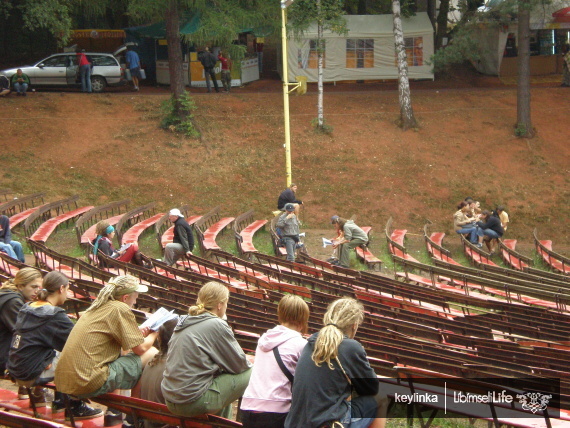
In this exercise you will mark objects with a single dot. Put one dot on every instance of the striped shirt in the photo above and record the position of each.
(95, 341)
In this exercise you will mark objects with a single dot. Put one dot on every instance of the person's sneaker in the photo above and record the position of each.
(112, 417)
(57, 406)
(42, 396)
(84, 411)
(23, 393)
(478, 245)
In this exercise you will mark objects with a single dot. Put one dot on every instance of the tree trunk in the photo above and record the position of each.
(407, 119)
(524, 125)
(441, 23)
(320, 54)
(174, 50)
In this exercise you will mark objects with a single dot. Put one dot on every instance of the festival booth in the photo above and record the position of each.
(550, 30)
(246, 71)
(366, 52)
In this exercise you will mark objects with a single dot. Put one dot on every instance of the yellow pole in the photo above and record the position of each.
(286, 95)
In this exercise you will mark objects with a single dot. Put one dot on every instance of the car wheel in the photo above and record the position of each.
(98, 83)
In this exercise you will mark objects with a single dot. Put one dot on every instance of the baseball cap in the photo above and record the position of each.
(289, 207)
(126, 284)
(176, 212)
(334, 219)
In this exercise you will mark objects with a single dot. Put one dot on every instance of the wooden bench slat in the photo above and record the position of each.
(48, 227)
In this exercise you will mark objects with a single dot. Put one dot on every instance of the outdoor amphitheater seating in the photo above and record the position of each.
(20, 204)
(364, 254)
(475, 254)
(511, 257)
(245, 227)
(552, 259)
(132, 219)
(6, 194)
(85, 225)
(208, 228)
(395, 240)
(434, 246)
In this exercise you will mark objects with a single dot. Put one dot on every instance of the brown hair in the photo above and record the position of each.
(101, 227)
(51, 284)
(209, 296)
(22, 278)
(164, 334)
(293, 310)
(461, 205)
(341, 315)
(341, 222)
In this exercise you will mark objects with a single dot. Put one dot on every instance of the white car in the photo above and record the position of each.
(60, 70)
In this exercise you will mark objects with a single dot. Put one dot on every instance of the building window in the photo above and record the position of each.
(414, 51)
(359, 53)
(310, 58)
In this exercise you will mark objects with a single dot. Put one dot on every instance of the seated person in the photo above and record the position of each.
(503, 216)
(353, 237)
(152, 374)
(339, 236)
(288, 196)
(331, 366)
(91, 363)
(267, 399)
(14, 293)
(7, 245)
(206, 369)
(489, 229)
(183, 239)
(104, 243)
(463, 224)
(20, 82)
(4, 86)
(42, 328)
(289, 225)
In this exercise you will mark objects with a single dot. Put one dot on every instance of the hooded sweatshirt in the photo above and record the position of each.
(10, 303)
(269, 390)
(202, 347)
(40, 330)
(319, 393)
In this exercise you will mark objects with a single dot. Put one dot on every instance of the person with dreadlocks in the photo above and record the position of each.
(334, 383)
(206, 369)
(91, 363)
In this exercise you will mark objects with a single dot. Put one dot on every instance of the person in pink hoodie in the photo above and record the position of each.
(267, 399)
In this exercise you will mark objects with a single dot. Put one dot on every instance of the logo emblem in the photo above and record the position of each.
(534, 401)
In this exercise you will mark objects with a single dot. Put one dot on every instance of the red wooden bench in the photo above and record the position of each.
(552, 259)
(364, 254)
(132, 234)
(48, 227)
(396, 242)
(210, 234)
(89, 235)
(16, 219)
(247, 236)
(511, 257)
(168, 235)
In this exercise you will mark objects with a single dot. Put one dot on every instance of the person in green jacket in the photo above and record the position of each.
(353, 237)
(20, 82)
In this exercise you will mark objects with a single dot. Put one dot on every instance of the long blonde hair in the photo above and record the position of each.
(340, 317)
(117, 286)
(22, 278)
(209, 296)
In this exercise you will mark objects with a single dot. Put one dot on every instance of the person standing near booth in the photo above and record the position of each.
(84, 71)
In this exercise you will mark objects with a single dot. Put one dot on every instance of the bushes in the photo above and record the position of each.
(177, 115)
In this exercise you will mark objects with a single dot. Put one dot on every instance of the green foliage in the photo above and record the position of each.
(464, 47)
(326, 13)
(53, 15)
(178, 116)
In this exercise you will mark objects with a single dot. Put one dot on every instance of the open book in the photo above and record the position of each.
(124, 247)
(327, 242)
(158, 318)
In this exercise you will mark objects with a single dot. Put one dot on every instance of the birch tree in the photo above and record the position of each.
(328, 15)
(407, 118)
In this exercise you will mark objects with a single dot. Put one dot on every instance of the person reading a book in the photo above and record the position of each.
(104, 243)
(206, 369)
(267, 399)
(91, 362)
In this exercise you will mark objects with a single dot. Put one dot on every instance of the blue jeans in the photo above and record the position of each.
(85, 71)
(487, 232)
(361, 412)
(14, 250)
(472, 231)
(290, 245)
(21, 88)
